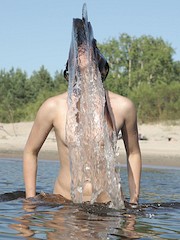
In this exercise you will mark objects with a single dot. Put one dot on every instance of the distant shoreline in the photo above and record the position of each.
(162, 147)
(151, 160)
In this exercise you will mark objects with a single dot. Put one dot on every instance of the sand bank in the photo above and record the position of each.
(162, 147)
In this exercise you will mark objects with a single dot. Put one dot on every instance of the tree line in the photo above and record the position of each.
(141, 68)
(21, 96)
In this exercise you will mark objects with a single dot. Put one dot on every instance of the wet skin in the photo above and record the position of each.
(52, 114)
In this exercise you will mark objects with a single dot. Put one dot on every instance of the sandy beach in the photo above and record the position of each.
(162, 147)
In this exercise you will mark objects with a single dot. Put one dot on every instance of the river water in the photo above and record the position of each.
(158, 216)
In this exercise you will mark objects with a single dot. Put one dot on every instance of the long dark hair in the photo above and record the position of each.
(102, 63)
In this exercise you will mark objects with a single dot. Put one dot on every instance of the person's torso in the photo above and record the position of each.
(63, 182)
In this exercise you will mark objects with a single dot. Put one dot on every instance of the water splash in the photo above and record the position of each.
(91, 142)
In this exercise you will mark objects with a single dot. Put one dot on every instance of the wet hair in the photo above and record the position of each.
(102, 63)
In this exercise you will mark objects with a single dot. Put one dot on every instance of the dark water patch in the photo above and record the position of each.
(11, 196)
(46, 198)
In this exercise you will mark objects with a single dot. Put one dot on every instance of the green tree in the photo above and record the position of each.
(140, 68)
(60, 84)
(39, 81)
(12, 93)
(136, 60)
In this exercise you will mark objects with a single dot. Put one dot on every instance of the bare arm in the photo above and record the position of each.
(41, 127)
(130, 137)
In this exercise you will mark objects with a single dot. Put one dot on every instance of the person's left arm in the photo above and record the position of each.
(131, 142)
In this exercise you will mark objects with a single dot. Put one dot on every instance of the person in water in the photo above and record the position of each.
(52, 115)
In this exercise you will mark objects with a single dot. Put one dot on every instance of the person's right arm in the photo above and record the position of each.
(39, 132)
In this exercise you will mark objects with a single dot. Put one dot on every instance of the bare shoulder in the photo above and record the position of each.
(124, 111)
(52, 106)
(121, 103)
(55, 101)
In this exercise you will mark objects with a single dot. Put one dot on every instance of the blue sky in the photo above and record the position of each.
(38, 32)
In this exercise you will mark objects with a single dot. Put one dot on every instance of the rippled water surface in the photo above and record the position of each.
(158, 216)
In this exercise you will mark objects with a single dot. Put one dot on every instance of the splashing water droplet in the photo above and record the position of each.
(91, 143)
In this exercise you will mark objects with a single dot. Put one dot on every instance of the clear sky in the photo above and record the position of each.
(38, 32)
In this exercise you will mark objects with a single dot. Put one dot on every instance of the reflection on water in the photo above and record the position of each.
(45, 218)
(70, 222)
